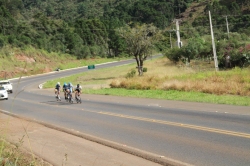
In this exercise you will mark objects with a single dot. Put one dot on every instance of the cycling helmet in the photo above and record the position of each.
(65, 83)
(58, 83)
(77, 85)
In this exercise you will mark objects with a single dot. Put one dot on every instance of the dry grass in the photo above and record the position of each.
(163, 75)
(12, 154)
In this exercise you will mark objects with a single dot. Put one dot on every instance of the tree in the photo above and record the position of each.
(116, 44)
(140, 41)
(193, 48)
(174, 54)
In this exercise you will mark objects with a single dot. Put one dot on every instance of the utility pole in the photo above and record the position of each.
(213, 44)
(178, 32)
(227, 28)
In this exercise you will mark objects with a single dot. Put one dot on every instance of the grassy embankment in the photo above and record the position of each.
(15, 62)
(163, 80)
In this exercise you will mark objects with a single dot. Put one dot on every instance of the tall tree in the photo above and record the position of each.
(140, 40)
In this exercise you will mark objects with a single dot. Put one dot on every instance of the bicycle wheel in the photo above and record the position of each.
(70, 100)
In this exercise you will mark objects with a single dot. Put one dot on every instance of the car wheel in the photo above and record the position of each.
(11, 91)
(6, 98)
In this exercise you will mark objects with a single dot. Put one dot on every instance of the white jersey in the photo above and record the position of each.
(80, 87)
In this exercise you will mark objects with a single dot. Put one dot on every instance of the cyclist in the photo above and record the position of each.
(70, 89)
(65, 89)
(57, 90)
(78, 90)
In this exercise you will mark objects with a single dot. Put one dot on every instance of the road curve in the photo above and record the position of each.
(193, 133)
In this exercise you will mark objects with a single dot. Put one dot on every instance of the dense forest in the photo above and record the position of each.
(87, 28)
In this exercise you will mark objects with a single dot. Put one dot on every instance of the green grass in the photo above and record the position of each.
(173, 95)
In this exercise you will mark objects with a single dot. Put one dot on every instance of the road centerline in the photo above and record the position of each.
(214, 130)
(195, 127)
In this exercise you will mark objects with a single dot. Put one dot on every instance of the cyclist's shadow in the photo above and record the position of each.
(55, 102)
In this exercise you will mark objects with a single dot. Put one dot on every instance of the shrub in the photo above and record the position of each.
(174, 54)
(131, 74)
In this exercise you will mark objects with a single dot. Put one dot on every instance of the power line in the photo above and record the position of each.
(182, 29)
(221, 25)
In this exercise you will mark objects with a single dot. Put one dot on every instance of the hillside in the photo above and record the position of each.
(86, 28)
(80, 28)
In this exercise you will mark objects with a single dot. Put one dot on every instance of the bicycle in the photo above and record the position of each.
(78, 99)
(65, 94)
(77, 96)
(69, 98)
(58, 98)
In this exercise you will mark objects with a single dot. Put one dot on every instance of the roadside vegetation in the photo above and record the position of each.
(13, 155)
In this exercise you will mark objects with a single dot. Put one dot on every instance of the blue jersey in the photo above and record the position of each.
(65, 86)
(70, 87)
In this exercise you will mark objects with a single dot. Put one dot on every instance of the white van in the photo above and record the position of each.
(3, 93)
(7, 85)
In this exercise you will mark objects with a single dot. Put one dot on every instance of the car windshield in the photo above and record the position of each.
(4, 83)
(1, 88)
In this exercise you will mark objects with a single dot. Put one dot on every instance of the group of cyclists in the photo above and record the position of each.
(68, 89)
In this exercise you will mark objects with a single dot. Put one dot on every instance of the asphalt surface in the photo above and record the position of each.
(165, 132)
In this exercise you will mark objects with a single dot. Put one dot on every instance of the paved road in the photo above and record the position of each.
(193, 133)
